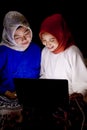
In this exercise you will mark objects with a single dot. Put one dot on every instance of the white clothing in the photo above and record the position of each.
(68, 64)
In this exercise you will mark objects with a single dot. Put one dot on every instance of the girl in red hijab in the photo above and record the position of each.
(62, 59)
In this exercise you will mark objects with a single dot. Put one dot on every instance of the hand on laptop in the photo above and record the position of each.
(76, 96)
(85, 97)
(11, 95)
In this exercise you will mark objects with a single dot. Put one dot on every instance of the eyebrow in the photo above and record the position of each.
(26, 30)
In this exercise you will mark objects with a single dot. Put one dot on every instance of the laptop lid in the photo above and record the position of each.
(42, 92)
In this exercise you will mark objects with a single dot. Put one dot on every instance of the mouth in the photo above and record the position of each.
(25, 43)
(51, 47)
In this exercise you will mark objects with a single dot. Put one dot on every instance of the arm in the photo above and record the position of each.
(79, 71)
(4, 78)
(79, 74)
(43, 63)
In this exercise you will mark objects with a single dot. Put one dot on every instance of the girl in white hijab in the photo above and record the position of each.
(19, 58)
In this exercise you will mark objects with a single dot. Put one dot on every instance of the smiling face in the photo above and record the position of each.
(22, 36)
(49, 41)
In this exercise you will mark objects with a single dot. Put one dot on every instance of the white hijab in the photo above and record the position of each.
(11, 22)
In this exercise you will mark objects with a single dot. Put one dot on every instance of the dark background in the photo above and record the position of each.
(74, 11)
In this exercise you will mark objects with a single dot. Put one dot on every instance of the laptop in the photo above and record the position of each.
(41, 98)
(42, 92)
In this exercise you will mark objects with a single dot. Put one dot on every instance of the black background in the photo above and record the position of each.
(74, 11)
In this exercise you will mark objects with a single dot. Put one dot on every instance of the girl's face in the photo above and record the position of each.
(49, 41)
(22, 36)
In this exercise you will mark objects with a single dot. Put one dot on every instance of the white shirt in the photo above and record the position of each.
(68, 64)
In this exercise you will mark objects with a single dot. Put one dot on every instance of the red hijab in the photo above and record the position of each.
(56, 26)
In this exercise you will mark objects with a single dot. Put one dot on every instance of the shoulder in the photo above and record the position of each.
(34, 49)
(74, 54)
(3, 53)
(3, 49)
(73, 50)
(35, 46)
(45, 50)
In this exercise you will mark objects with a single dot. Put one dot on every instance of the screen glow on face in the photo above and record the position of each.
(22, 36)
(49, 41)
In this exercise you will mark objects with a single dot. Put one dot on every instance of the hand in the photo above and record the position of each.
(11, 95)
(76, 96)
(85, 97)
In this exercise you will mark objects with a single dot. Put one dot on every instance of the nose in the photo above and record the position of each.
(23, 38)
(48, 43)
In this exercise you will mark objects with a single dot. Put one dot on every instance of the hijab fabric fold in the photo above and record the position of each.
(56, 26)
(11, 22)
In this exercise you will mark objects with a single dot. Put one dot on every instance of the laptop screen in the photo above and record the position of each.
(42, 92)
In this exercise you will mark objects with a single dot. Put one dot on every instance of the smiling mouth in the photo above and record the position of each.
(51, 47)
(25, 43)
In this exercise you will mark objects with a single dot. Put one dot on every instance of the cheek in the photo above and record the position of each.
(29, 39)
(56, 45)
(43, 43)
(18, 41)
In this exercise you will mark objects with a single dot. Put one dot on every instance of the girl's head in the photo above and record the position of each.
(22, 36)
(55, 34)
(17, 33)
(49, 41)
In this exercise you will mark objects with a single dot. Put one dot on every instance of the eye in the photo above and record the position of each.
(43, 40)
(17, 38)
(52, 40)
(27, 32)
